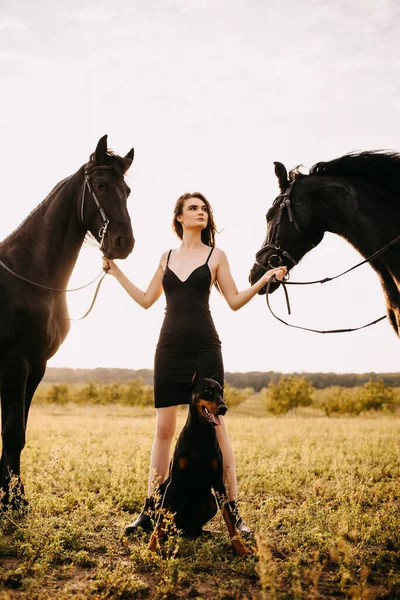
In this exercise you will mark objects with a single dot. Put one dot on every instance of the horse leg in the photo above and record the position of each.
(13, 386)
(34, 378)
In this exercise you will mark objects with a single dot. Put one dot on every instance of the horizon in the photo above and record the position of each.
(228, 371)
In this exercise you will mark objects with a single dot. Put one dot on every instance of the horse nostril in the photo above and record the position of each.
(120, 242)
(124, 244)
(121, 245)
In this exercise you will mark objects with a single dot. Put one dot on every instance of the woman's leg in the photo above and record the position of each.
(159, 461)
(228, 456)
(160, 452)
(230, 480)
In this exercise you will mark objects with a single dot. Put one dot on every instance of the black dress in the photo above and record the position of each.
(188, 341)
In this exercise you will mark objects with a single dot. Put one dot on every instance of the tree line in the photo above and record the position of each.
(252, 379)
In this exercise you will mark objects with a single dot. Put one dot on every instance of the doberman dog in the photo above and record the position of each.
(196, 470)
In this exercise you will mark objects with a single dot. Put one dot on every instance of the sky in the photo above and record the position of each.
(209, 93)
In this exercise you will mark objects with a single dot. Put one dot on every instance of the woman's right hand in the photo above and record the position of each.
(109, 266)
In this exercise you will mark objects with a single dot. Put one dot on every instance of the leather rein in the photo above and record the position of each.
(272, 243)
(102, 233)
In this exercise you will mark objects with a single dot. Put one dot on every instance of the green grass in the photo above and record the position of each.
(321, 494)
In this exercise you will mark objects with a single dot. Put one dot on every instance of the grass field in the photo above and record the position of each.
(321, 494)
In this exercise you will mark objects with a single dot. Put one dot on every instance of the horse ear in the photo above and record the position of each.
(129, 159)
(101, 150)
(194, 378)
(281, 173)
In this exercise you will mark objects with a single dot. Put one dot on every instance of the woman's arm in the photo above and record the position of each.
(144, 299)
(237, 299)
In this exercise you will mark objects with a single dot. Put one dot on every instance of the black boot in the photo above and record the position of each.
(145, 519)
(240, 523)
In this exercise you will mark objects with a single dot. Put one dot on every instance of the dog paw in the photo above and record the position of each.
(153, 544)
(240, 548)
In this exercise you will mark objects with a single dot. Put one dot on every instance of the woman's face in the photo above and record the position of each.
(194, 214)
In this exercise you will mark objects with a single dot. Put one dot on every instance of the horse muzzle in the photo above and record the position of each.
(118, 246)
(270, 257)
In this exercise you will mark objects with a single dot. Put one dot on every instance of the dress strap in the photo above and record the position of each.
(208, 257)
(169, 254)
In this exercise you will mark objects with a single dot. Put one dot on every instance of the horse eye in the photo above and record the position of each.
(100, 185)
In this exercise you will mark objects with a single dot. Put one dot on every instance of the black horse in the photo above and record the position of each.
(44, 249)
(357, 197)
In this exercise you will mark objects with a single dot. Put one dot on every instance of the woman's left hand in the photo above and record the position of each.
(278, 272)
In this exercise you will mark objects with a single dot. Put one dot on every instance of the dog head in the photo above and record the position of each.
(208, 400)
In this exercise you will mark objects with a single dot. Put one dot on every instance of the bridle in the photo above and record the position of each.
(272, 243)
(102, 233)
(87, 185)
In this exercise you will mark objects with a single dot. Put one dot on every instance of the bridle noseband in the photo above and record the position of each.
(87, 184)
(272, 241)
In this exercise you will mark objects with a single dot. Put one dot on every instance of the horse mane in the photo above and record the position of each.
(42, 205)
(117, 163)
(376, 167)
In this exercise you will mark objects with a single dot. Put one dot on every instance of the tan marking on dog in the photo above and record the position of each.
(240, 548)
(183, 462)
(234, 534)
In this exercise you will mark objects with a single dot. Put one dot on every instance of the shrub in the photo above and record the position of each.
(58, 393)
(234, 396)
(90, 394)
(374, 395)
(287, 394)
(137, 394)
(131, 393)
(338, 400)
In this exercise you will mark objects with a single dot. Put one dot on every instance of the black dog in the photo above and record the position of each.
(196, 469)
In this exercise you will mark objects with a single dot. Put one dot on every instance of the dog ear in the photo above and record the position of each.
(218, 376)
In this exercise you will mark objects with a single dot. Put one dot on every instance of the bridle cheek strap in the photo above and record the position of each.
(87, 184)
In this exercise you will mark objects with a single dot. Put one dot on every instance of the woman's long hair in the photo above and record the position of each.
(208, 233)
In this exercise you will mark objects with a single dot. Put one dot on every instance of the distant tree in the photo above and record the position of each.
(287, 394)
(374, 395)
(234, 396)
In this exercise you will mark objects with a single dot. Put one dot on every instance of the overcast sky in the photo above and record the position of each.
(210, 93)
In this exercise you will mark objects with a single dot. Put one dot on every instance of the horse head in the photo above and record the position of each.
(292, 226)
(103, 204)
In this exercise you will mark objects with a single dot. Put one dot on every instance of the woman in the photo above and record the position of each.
(188, 341)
